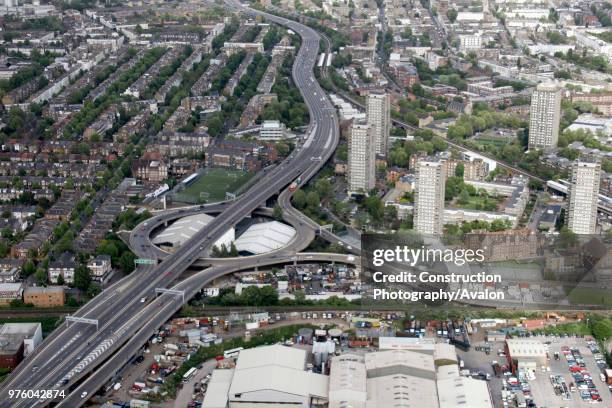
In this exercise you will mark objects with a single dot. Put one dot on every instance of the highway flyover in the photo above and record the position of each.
(163, 307)
(76, 349)
(140, 238)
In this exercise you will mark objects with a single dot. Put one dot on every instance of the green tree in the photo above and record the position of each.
(300, 296)
(299, 199)
(452, 15)
(60, 280)
(459, 170)
(312, 200)
(602, 329)
(390, 214)
(269, 295)
(107, 247)
(72, 302)
(282, 148)
(277, 212)
(567, 238)
(41, 277)
(82, 278)
(27, 269)
(398, 157)
(374, 207)
(553, 15)
(126, 262)
(324, 188)
(464, 197)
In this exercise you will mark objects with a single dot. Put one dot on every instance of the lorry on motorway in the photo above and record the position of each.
(294, 186)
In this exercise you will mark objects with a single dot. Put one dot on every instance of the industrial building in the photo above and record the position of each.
(528, 354)
(218, 389)
(183, 229)
(406, 378)
(455, 390)
(18, 340)
(400, 376)
(347, 385)
(268, 376)
(258, 238)
(264, 237)
(418, 344)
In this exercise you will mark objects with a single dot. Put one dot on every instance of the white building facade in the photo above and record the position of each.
(378, 114)
(361, 158)
(583, 196)
(429, 197)
(545, 116)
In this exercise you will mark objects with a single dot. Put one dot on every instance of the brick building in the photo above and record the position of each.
(51, 296)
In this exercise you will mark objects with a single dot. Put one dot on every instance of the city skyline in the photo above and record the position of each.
(209, 204)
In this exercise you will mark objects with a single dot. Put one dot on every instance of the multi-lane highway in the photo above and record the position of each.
(77, 349)
(162, 309)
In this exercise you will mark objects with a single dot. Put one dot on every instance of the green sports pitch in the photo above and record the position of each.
(212, 186)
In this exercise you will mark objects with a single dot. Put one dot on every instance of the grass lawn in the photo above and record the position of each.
(497, 142)
(213, 185)
(566, 328)
(590, 296)
(480, 203)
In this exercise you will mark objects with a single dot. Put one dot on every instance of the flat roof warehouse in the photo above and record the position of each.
(276, 376)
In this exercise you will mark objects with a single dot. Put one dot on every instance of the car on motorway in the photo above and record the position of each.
(83, 394)
(144, 299)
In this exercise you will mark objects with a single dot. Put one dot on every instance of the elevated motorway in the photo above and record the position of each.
(141, 244)
(76, 350)
(162, 308)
